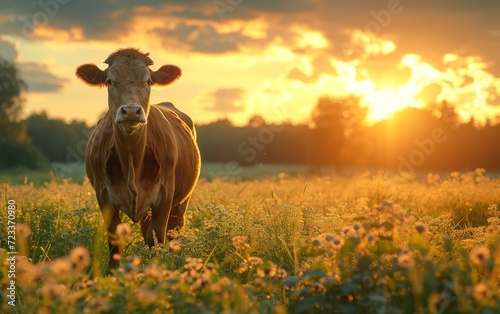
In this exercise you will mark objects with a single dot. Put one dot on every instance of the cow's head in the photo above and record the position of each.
(128, 79)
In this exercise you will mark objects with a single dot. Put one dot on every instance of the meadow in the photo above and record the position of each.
(367, 243)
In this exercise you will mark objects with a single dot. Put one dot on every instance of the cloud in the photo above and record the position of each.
(428, 28)
(225, 100)
(321, 64)
(39, 78)
(8, 50)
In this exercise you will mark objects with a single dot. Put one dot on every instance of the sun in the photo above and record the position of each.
(382, 104)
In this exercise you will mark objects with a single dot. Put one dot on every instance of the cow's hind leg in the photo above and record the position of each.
(145, 226)
(176, 219)
(111, 220)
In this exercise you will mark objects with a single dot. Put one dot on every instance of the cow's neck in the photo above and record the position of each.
(132, 149)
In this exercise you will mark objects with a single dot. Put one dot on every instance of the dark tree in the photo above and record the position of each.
(11, 103)
(337, 131)
(15, 147)
(67, 140)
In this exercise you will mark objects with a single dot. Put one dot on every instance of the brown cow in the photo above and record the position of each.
(141, 159)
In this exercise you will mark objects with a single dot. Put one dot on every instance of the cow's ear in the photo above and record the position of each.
(165, 75)
(91, 74)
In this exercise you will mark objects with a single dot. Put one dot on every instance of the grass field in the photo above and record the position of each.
(368, 243)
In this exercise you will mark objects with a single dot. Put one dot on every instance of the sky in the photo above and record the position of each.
(272, 58)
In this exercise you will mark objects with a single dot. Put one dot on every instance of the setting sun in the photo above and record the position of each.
(382, 104)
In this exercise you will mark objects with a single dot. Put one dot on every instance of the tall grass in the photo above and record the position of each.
(362, 244)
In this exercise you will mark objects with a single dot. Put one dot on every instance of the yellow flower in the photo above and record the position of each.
(239, 241)
(146, 296)
(281, 273)
(134, 260)
(267, 270)
(152, 271)
(253, 260)
(174, 245)
(482, 292)
(23, 230)
(80, 257)
(421, 228)
(479, 255)
(61, 267)
(193, 263)
(243, 267)
(123, 231)
(406, 260)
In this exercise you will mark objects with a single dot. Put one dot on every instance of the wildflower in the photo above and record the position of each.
(203, 280)
(281, 273)
(174, 245)
(421, 228)
(259, 283)
(123, 231)
(267, 270)
(337, 242)
(80, 257)
(480, 171)
(479, 255)
(61, 267)
(146, 296)
(99, 304)
(253, 260)
(384, 205)
(346, 230)
(356, 226)
(243, 267)
(328, 237)
(482, 292)
(52, 291)
(85, 283)
(23, 230)
(25, 272)
(193, 263)
(406, 260)
(317, 242)
(134, 260)
(434, 300)
(239, 241)
(404, 250)
(152, 271)
(210, 267)
(370, 238)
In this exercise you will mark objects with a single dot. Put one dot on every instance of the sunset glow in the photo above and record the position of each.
(256, 60)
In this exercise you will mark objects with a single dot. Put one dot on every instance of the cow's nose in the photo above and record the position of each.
(130, 113)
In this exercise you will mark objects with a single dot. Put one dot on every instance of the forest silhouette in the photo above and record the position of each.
(335, 135)
(410, 140)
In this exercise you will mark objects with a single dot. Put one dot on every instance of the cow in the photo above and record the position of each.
(141, 159)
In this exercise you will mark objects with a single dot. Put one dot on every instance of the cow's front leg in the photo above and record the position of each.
(159, 218)
(111, 220)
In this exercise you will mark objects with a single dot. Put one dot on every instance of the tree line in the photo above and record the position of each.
(334, 135)
(431, 139)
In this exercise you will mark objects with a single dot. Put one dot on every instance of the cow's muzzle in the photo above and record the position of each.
(130, 114)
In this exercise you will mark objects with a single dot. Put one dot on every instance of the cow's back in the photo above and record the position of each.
(181, 136)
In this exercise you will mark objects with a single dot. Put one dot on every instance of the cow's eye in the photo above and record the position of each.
(150, 82)
(108, 82)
